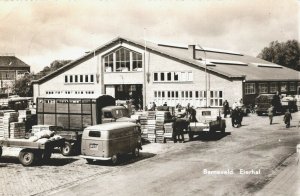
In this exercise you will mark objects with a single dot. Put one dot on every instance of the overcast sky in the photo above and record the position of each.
(39, 32)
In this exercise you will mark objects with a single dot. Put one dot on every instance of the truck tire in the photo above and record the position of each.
(136, 152)
(67, 149)
(27, 157)
(115, 159)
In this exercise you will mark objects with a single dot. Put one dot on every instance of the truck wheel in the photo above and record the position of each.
(67, 149)
(136, 152)
(115, 159)
(26, 157)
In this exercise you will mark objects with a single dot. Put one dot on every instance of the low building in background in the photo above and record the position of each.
(11, 69)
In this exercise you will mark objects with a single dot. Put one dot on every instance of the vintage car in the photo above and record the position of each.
(209, 120)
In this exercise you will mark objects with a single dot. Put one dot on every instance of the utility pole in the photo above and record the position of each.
(206, 90)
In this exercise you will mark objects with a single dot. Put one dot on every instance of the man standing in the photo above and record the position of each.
(287, 118)
(270, 114)
(225, 108)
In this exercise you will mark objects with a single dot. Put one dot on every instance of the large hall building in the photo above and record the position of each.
(149, 72)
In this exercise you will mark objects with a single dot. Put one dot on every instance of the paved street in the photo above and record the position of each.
(175, 169)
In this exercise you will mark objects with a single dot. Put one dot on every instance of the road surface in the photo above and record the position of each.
(243, 162)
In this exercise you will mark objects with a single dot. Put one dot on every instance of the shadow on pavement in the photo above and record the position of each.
(58, 161)
(211, 136)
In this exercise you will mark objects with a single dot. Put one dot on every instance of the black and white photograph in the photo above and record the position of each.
(149, 97)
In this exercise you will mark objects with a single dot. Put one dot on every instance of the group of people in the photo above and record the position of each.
(235, 112)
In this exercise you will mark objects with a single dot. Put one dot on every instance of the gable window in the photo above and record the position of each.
(123, 60)
(76, 78)
(81, 78)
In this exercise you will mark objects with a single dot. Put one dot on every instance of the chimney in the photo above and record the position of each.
(192, 51)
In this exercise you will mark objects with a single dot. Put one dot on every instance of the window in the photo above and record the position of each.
(283, 87)
(86, 78)
(95, 134)
(249, 88)
(66, 79)
(176, 74)
(76, 78)
(273, 87)
(155, 76)
(216, 98)
(136, 61)
(263, 87)
(162, 76)
(125, 60)
(81, 78)
(92, 78)
(173, 76)
(108, 63)
(292, 86)
(71, 79)
(169, 76)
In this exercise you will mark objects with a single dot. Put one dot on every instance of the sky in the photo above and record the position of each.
(41, 31)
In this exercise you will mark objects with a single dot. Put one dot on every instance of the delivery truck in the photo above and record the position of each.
(75, 114)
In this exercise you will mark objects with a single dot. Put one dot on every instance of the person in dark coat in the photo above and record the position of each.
(276, 103)
(287, 118)
(165, 104)
(226, 108)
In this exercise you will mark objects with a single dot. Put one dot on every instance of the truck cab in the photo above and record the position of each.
(209, 120)
(113, 113)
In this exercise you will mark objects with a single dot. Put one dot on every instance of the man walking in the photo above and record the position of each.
(287, 118)
(270, 114)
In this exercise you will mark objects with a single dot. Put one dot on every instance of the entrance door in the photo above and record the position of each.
(132, 92)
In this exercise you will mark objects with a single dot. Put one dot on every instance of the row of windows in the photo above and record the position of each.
(68, 92)
(123, 60)
(79, 78)
(172, 76)
(250, 88)
(195, 98)
(7, 75)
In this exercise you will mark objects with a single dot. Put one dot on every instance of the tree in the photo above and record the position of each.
(285, 53)
(23, 86)
(53, 66)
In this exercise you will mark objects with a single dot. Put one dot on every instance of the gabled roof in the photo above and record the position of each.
(226, 64)
(12, 61)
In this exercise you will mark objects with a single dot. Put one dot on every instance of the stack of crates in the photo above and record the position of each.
(144, 128)
(5, 122)
(159, 126)
(168, 130)
(17, 130)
